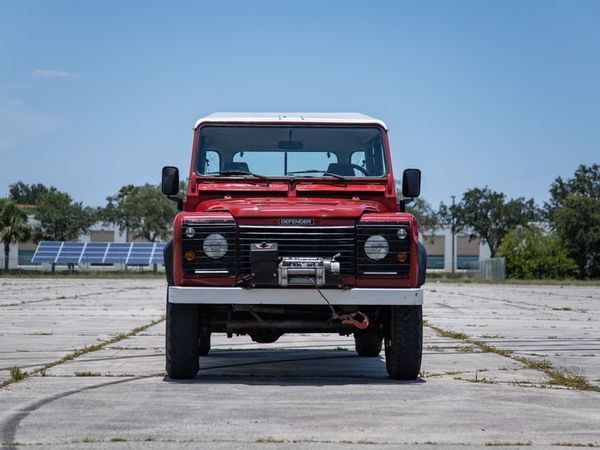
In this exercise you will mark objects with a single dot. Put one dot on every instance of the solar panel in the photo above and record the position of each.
(94, 252)
(157, 254)
(69, 253)
(136, 253)
(141, 253)
(46, 251)
(117, 253)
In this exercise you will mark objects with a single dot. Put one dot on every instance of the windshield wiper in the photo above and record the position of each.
(324, 172)
(238, 172)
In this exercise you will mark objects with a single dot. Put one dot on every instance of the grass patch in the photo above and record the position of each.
(17, 374)
(117, 439)
(447, 333)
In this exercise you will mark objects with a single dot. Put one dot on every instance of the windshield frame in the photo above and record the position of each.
(386, 157)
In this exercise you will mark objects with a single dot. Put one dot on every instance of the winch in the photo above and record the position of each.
(269, 268)
(308, 271)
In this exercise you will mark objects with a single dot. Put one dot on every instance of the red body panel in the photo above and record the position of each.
(326, 200)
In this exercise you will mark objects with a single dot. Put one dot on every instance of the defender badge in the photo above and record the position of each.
(296, 221)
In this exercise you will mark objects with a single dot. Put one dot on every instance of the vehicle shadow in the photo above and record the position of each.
(284, 366)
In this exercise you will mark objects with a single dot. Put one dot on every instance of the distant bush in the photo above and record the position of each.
(530, 253)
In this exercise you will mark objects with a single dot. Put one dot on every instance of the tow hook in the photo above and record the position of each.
(349, 319)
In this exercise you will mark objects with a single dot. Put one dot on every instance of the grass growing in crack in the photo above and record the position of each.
(87, 373)
(507, 444)
(558, 377)
(575, 444)
(464, 349)
(269, 440)
(17, 374)
(78, 352)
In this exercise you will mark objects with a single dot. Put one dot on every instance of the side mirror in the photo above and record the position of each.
(170, 180)
(411, 183)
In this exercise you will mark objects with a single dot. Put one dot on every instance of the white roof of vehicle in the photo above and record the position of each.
(291, 117)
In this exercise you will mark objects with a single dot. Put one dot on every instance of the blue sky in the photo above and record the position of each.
(97, 94)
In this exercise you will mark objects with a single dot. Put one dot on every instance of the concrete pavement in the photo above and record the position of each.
(305, 391)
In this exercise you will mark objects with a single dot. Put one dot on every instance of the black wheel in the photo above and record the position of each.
(204, 343)
(404, 342)
(367, 343)
(182, 341)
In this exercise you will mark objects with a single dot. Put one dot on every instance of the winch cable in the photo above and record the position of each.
(346, 319)
(334, 314)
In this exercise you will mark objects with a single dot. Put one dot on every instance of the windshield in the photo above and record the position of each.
(273, 150)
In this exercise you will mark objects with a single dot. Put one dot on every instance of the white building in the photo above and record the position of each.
(440, 255)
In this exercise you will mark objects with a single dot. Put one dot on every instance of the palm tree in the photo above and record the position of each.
(13, 226)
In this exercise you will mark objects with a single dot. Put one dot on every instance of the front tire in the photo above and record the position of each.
(204, 343)
(182, 341)
(404, 342)
(367, 343)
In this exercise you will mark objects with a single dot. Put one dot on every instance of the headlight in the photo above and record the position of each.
(377, 247)
(215, 246)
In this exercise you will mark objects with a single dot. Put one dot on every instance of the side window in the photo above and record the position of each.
(212, 162)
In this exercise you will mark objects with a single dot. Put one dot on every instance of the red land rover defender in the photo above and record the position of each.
(291, 224)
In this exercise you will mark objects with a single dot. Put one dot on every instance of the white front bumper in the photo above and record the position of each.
(291, 296)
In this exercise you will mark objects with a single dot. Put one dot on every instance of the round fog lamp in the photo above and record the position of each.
(190, 255)
(402, 233)
(215, 246)
(401, 257)
(190, 232)
(377, 247)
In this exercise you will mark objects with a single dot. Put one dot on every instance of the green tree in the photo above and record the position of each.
(530, 253)
(427, 218)
(142, 211)
(27, 194)
(574, 212)
(13, 226)
(487, 215)
(59, 218)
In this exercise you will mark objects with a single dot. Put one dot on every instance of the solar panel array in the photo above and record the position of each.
(129, 253)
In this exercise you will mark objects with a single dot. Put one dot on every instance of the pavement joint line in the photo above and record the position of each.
(72, 297)
(273, 440)
(512, 302)
(18, 375)
(558, 377)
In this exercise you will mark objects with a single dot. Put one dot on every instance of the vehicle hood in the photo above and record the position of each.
(293, 207)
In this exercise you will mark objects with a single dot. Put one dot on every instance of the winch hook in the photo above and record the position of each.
(348, 319)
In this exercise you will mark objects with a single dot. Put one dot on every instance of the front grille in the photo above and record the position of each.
(316, 241)
(388, 266)
(202, 265)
